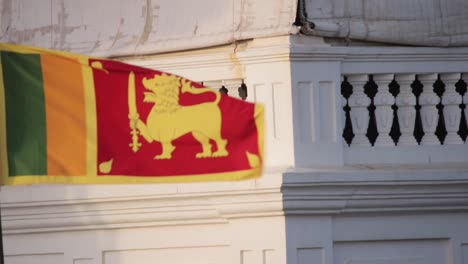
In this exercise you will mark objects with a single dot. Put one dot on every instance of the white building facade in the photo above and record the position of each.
(366, 158)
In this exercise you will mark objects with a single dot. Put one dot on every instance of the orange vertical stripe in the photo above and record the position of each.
(65, 115)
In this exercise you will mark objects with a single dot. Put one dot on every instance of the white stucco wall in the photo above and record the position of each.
(315, 203)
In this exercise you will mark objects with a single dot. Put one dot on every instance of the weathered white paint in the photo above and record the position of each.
(130, 27)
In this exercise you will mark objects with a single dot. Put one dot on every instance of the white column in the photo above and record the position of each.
(318, 113)
(269, 86)
(359, 101)
(429, 112)
(452, 112)
(406, 102)
(383, 101)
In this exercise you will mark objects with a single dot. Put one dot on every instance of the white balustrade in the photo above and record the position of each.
(383, 102)
(359, 101)
(406, 102)
(451, 100)
(429, 112)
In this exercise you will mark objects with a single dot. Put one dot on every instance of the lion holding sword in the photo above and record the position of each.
(168, 120)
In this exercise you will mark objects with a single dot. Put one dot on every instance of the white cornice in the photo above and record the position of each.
(211, 57)
(53, 208)
(302, 49)
(157, 210)
(377, 54)
(346, 190)
(368, 190)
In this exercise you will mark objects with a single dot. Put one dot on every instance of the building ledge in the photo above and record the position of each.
(58, 208)
(376, 188)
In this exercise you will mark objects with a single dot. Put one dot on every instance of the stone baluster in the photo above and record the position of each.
(383, 102)
(429, 112)
(406, 102)
(346, 91)
(344, 101)
(451, 100)
(465, 99)
(359, 101)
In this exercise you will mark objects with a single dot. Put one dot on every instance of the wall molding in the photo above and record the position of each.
(139, 211)
(378, 189)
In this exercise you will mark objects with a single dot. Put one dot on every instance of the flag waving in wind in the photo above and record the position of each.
(69, 118)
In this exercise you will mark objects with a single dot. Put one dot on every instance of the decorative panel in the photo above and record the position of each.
(182, 255)
(310, 256)
(326, 96)
(393, 251)
(83, 261)
(305, 111)
(464, 250)
(54, 258)
(270, 257)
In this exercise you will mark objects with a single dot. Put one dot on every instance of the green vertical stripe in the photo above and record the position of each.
(25, 114)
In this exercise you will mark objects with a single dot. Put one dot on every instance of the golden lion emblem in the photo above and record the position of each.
(168, 120)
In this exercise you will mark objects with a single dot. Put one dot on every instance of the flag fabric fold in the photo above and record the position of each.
(69, 118)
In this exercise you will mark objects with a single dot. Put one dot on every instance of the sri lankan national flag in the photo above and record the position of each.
(69, 118)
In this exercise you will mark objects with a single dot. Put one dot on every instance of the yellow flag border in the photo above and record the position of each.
(29, 49)
(3, 140)
(44, 179)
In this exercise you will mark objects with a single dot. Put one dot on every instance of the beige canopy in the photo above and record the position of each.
(129, 27)
(411, 22)
(135, 27)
